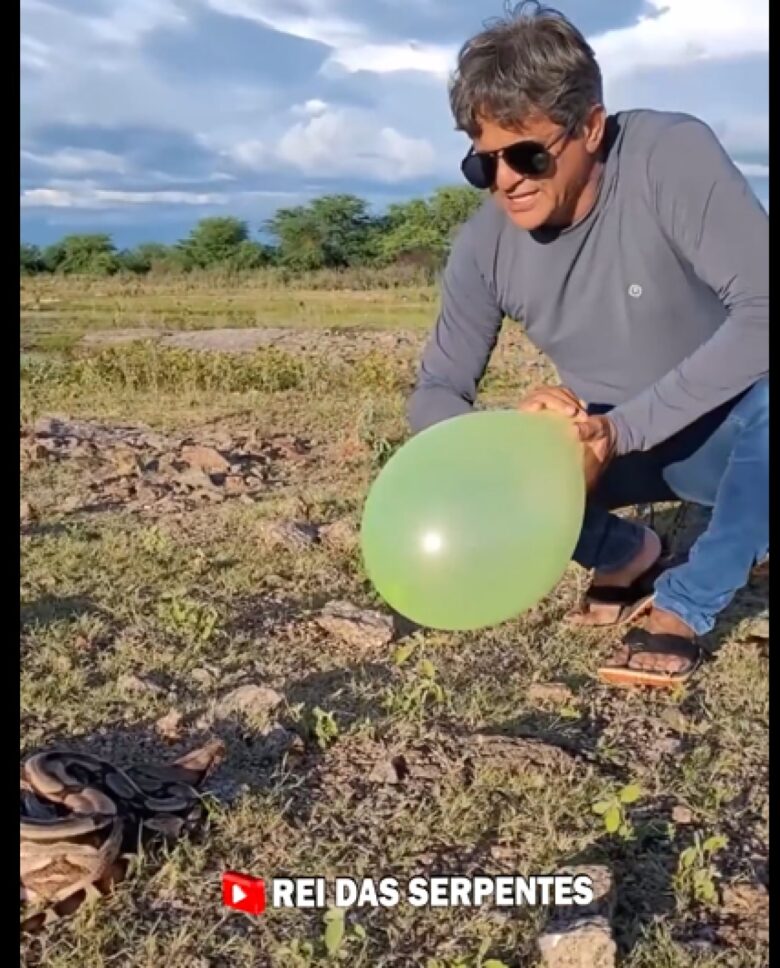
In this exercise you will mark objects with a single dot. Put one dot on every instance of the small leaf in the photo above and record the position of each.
(625, 831)
(494, 963)
(359, 931)
(630, 793)
(427, 669)
(687, 857)
(601, 806)
(715, 843)
(612, 819)
(403, 652)
(334, 931)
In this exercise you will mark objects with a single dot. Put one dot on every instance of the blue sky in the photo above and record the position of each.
(139, 117)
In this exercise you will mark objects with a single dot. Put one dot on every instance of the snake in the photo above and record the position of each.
(81, 817)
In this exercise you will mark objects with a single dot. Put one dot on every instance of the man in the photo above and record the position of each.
(636, 256)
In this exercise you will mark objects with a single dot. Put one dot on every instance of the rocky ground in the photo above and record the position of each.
(205, 579)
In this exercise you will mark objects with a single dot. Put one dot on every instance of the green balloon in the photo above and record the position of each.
(475, 519)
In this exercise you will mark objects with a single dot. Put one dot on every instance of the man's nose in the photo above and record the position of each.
(506, 178)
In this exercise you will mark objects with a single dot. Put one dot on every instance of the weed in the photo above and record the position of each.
(695, 878)
(612, 810)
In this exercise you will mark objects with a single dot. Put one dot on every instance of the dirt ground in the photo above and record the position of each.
(191, 568)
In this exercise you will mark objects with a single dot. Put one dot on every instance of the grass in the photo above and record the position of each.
(197, 604)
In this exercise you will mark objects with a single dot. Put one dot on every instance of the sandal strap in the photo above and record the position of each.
(641, 641)
(641, 587)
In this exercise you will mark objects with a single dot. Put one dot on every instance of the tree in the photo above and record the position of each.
(299, 239)
(422, 230)
(83, 255)
(214, 241)
(152, 257)
(30, 259)
(334, 231)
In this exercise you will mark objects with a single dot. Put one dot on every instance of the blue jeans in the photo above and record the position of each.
(720, 461)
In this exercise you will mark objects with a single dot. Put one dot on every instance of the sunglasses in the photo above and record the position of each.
(530, 158)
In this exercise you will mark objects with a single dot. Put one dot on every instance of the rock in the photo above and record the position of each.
(276, 741)
(289, 535)
(388, 771)
(206, 459)
(516, 753)
(550, 692)
(587, 943)
(339, 535)
(169, 725)
(758, 629)
(195, 478)
(603, 887)
(356, 627)
(234, 485)
(251, 700)
(581, 936)
(131, 683)
(202, 676)
(682, 815)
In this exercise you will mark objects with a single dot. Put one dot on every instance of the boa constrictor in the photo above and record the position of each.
(81, 816)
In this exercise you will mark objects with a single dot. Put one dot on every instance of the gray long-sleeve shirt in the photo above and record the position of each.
(656, 303)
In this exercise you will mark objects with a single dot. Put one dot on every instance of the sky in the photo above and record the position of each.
(139, 117)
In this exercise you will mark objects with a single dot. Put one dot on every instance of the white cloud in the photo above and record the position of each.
(74, 161)
(311, 109)
(390, 58)
(752, 170)
(340, 142)
(683, 31)
(97, 198)
(88, 195)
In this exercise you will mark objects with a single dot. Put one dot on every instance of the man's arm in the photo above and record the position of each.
(460, 346)
(708, 211)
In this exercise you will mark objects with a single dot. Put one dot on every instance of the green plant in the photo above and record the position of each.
(695, 878)
(414, 697)
(324, 727)
(187, 619)
(613, 813)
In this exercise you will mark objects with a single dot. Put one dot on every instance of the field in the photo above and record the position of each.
(189, 523)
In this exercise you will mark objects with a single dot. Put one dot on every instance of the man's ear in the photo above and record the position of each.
(593, 129)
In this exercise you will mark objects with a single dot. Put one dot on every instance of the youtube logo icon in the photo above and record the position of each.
(243, 892)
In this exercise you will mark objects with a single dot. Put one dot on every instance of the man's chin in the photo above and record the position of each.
(533, 219)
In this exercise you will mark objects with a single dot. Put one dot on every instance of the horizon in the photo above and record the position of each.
(139, 119)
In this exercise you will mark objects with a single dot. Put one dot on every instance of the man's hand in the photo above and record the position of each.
(558, 399)
(598, 437)
(596, 433)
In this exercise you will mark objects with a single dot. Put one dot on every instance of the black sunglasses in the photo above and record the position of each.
(529, 158)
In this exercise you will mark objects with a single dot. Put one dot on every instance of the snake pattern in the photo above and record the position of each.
(80, 817)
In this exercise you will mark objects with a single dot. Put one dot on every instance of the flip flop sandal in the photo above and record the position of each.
(639, 641)
(631, 600)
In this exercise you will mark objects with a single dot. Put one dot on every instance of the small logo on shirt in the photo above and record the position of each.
(635, 290)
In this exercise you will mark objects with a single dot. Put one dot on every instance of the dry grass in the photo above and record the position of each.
(94, 588)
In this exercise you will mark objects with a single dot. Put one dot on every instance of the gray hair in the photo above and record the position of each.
(531, 62)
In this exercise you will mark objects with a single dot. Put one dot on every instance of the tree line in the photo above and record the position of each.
(331, 232)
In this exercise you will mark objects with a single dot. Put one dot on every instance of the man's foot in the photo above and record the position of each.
(664, 651)
(616, 597)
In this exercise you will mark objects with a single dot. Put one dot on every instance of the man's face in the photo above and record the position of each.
(532, 201)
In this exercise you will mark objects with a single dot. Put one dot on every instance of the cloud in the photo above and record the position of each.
(89, 198)
(680, 32)
(393, 58)
(78, 161)
(752, 170)
(335, 142)
(87, 195)
(208, 105)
